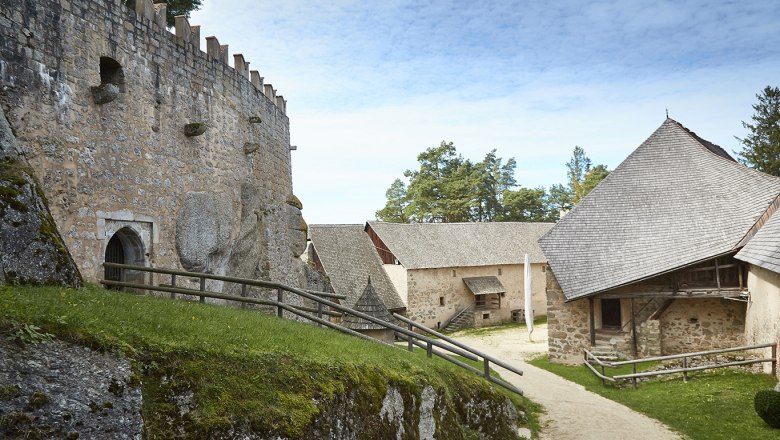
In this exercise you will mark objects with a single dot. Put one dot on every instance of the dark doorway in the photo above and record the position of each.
(610, 313)
(114, 254)
(125, 247)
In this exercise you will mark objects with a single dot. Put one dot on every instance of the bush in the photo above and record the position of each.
(767, 404)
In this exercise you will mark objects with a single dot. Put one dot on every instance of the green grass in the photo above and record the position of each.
(238, 362)
(713, 405)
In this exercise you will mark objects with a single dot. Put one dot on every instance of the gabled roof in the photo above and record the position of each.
(349, 259)
(763, 249)
(370, 304)
(435, 245)
(676, 200)
(484, 285)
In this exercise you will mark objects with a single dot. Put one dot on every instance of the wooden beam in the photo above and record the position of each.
(592, 322)
(687, 293)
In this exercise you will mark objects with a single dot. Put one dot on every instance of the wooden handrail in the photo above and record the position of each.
(498, 362)
(299, 311)
(686, 369)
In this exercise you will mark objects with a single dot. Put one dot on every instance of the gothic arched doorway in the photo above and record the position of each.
(125, 247)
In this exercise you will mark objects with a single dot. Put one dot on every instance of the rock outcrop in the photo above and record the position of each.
(59, 390)
(31, 248)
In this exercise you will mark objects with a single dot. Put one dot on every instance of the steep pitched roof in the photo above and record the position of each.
(763, 249)
(349, 258)
(370, 304)
(676, 200)
(434, 245)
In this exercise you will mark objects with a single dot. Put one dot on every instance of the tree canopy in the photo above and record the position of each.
(761, 146)
(448, 188)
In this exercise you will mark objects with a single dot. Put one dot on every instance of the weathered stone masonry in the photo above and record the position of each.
(99, 98)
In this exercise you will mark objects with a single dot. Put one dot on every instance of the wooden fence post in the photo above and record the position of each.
(774, 359)
(202, 288)
(685, 369)
(633, 370)
(243, 295)
(487, 368)
(319, 313)
(173, 284)
(280, 300)
(411, 338)
(430, 349)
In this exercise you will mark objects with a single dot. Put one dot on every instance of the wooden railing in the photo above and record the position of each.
(593, 362)
(324, 308)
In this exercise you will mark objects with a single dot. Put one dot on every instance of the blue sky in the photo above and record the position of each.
(372, 84)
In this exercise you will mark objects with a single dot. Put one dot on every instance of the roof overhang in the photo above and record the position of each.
(484, 285)
(649, 276)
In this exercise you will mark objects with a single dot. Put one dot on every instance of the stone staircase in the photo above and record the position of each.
(611, 345)
(461, 320)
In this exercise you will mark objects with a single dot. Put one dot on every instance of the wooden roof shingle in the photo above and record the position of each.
(349, 259)
(763, 249)
(484, 285)
(436, 245)
(676, 200)
(370, 304)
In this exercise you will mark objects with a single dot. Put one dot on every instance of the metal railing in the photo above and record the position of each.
(591, 359)
(432, 346)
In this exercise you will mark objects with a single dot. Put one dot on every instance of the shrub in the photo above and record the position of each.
(767, 404)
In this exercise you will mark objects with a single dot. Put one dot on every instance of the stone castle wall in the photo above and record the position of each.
(111, 151)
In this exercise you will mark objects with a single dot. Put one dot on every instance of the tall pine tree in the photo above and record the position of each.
(761, 147)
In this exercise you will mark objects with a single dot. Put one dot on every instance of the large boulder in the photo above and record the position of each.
(297, 227)
(203, 228)
(31, 248)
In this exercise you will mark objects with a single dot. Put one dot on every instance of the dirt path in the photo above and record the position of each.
(572, 412)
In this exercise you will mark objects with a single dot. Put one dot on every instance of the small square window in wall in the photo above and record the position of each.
(441, 300)
(453, 272)
(486, 316)
(499, 271)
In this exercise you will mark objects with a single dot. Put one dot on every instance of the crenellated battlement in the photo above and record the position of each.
(186, 34)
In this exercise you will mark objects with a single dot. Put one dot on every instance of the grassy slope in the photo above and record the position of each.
(715, 405)
(270, 371)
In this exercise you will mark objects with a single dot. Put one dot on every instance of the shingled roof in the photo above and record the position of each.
(434, 245)
(370, 304)
(763, 249)
(349, 259)
(676, 200)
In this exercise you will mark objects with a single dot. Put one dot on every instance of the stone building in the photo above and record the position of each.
(464, 274)
(150, 150)
(762, 323)
(645, 264)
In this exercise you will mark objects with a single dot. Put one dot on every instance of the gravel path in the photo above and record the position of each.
(572, 412)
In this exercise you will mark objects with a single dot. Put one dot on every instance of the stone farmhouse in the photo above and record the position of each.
(443, 275)
(671, 253)
(149, 149)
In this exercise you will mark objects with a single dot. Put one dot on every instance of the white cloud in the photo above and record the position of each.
(372, 84)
